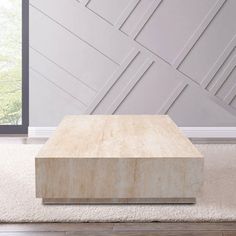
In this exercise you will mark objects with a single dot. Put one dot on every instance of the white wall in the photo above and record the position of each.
(131, 57)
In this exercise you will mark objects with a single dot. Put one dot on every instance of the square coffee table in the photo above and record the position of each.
(118, 159)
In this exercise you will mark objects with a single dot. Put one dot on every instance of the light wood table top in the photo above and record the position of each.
(118, 136)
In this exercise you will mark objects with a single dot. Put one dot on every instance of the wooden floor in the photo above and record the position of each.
(119, 229)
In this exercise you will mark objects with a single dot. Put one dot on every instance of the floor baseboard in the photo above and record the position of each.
(197, 133)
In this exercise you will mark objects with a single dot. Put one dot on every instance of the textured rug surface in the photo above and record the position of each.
(217, 201)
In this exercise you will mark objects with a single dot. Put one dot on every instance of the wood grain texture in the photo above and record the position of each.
(34, 234)
(187, 233)
(111, 229)
(116, 234)
(118, 157)
(181, 226)
(112, 136)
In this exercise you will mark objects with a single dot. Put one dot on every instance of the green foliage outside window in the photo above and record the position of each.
(10, 62)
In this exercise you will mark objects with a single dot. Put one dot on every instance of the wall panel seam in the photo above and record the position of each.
(74, 34)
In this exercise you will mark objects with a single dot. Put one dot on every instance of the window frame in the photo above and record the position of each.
(23, 128)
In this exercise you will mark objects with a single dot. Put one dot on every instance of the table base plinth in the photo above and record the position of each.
(84, 201)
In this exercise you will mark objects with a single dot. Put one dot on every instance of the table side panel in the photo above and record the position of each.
(118, 177)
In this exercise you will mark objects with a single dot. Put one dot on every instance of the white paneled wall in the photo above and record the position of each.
(173, 57)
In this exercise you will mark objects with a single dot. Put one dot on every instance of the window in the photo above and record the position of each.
(13, 66)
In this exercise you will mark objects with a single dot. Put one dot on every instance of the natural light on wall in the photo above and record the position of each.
(10, 62)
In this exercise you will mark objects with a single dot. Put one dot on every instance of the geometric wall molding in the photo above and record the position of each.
(220, 60)
(197, 33)
(134, 57)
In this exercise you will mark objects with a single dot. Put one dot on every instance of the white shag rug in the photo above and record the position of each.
(217, 202)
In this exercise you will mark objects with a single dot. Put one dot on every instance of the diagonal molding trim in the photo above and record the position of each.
(226, 73)
(190, 132)
(84, 2)
(79, 104)
(126, 13)
(168, 50)
(197, 34)
(111, 81)
(129, 87)
(173, 97)
(219, 62)
(73, 33)
(231, 95)
(143, 21)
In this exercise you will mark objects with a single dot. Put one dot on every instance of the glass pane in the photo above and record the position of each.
(10, 62)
